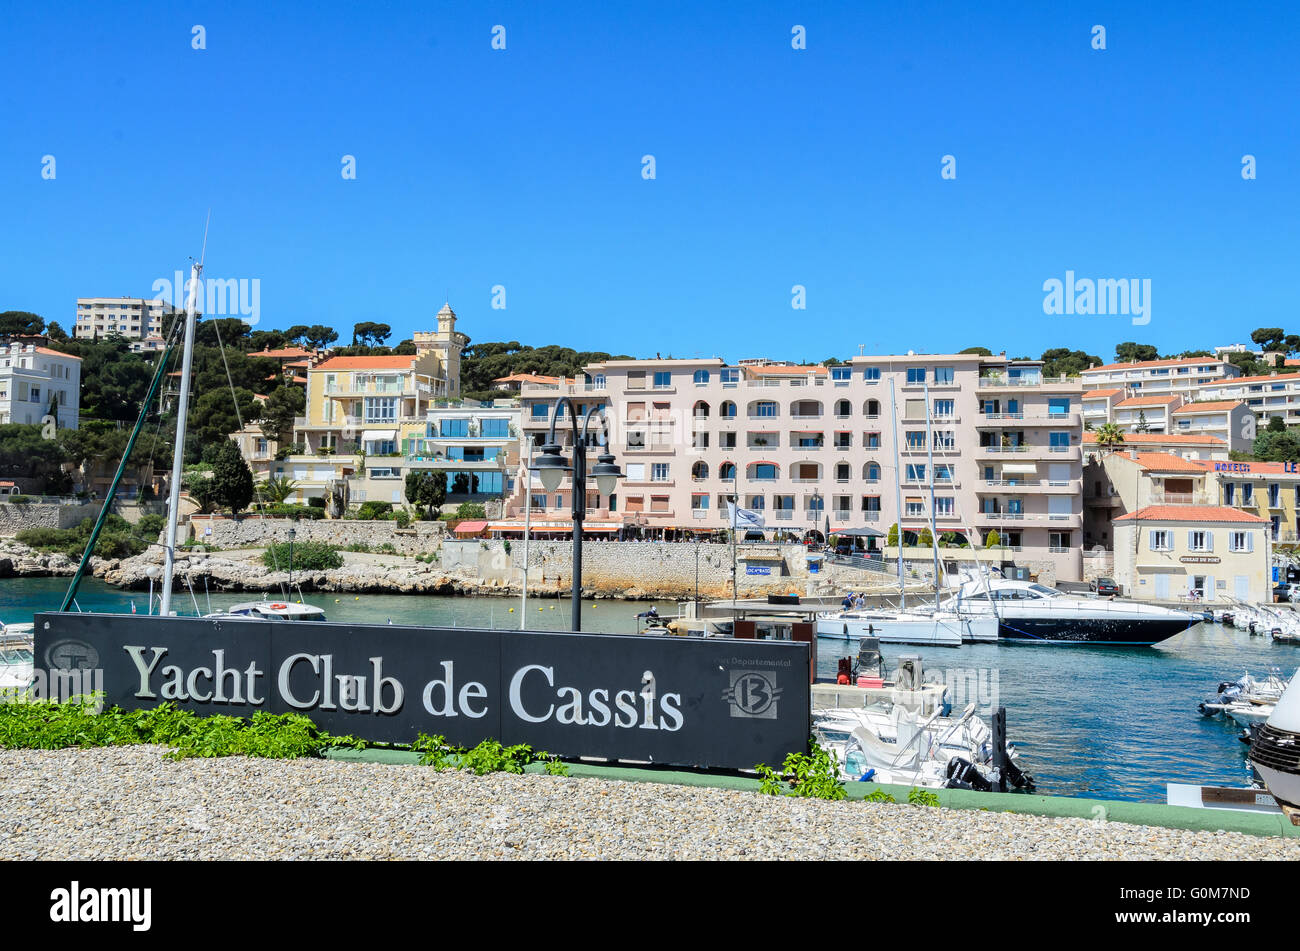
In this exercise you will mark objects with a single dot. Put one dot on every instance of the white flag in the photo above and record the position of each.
(744, 518)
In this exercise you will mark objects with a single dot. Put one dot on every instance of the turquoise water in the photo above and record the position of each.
(1111, 723)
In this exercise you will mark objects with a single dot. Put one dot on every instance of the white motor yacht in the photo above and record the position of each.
(1034, 613)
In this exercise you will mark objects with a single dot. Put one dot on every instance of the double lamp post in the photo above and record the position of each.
(551, 467)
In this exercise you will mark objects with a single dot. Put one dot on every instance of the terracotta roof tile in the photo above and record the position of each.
(1172, 439)
(1191, 513)
(399, 362)
(1214, 407)
(1148, 401)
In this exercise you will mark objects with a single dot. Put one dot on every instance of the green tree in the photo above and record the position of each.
(198, 485)
(980, 351)
(25, 453)
(232, 481)
(318, 336)
(1142, 425)
(1110, 436)
(369, 333)
(1065, 362)
(279, 410)
(925, 539)
(1276, 424)
(1130, 352)
(275, 489)
(21, 323)
(56, 332)
(1269, 338)
(993, 539)
(891, 539)
(426, 490)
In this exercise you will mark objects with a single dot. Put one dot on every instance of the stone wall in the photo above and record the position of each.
(418, 538)
(14, 517)
(659, 569)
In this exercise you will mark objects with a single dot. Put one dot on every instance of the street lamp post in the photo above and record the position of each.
(292, 533)
(551, 468)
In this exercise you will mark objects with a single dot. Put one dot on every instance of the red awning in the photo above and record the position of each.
(470, 527)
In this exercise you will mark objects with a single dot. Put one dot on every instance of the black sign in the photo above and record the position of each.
(713, 702)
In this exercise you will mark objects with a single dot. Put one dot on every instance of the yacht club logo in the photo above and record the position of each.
(752, 694)
(69, 654)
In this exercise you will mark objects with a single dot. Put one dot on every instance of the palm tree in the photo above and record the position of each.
(276, 489)
(1110, 436)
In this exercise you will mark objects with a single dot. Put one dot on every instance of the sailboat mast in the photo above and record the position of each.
(934, 538)
(898, 498)
(178, 453)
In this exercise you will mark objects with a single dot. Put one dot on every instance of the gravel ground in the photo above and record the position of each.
(129, 803)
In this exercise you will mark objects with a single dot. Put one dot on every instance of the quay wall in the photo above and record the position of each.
(652, 569)
(250, 531)
(14, 517)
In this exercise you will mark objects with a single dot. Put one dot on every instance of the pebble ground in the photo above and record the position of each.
(130, 803)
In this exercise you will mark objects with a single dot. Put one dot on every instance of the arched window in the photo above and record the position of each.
(763, 408)
(701, 377)
(843, 409)
(700, 470)
(727, 471)
(701, 410)
(763, 470)
(872, 408)
(871, 472)
(727, 410)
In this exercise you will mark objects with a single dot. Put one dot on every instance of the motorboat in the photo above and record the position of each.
(892, 744)
(1244, 692)
(1030, 612)
(937, 628)
(1275, 753)
(272, 611)
(15, 656)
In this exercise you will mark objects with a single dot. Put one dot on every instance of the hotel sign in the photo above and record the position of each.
(1199, 559)
(657, 699)
(1288, 468)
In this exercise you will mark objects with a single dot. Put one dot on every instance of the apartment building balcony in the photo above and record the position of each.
(1030, 519)
(1029, 418)
(1185, 498)
(1050, 384)
(1029, 452)
(1036, 486)
(405, 388)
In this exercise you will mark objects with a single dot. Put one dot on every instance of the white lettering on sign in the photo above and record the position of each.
(593, 710)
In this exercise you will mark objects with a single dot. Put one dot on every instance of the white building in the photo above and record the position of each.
(1182, 376)
(135, 318)
(33, 380)
(1267, 396)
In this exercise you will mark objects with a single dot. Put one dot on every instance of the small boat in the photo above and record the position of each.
(1275, 754)
(1245, 690)
(271, 611)
(926, 628)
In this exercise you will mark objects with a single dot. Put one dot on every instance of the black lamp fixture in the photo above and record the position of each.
(551, 467)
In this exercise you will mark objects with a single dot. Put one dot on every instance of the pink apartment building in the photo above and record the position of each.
(810, 446)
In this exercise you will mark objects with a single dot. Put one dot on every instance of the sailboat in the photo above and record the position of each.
(937, 626)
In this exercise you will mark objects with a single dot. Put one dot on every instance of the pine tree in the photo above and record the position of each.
(232, 480)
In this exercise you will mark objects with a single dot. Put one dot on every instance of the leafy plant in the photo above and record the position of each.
(490, 756)
(922, 797)
(878, 795)
(307, 556)
(812, 775)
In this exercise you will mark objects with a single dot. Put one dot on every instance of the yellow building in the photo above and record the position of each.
(1270, 490)
(1195, 553)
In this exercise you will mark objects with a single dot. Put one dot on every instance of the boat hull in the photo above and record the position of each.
(1106, 631)
(920, 631)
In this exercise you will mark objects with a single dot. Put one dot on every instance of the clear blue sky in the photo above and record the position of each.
(775, 167)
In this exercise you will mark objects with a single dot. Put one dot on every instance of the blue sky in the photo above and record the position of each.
(775, 167)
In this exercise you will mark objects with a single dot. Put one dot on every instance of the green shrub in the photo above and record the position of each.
(922, 797)
(402, 518)
(316, 501)
(285, 510)
(50, 725)
(470, 510)
(488, 757)
(151, 525)
(117, 539)
(878, 795)
(814, 775)
(307, 556)
(370, 511)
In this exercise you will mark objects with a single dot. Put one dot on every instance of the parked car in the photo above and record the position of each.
(1106, 588)
(1283, 592)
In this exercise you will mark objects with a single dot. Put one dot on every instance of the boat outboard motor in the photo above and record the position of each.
(1275, 754)
(962, 774)
(869, 660)
(910, 674)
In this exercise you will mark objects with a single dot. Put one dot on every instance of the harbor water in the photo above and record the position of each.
(1098, 722)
